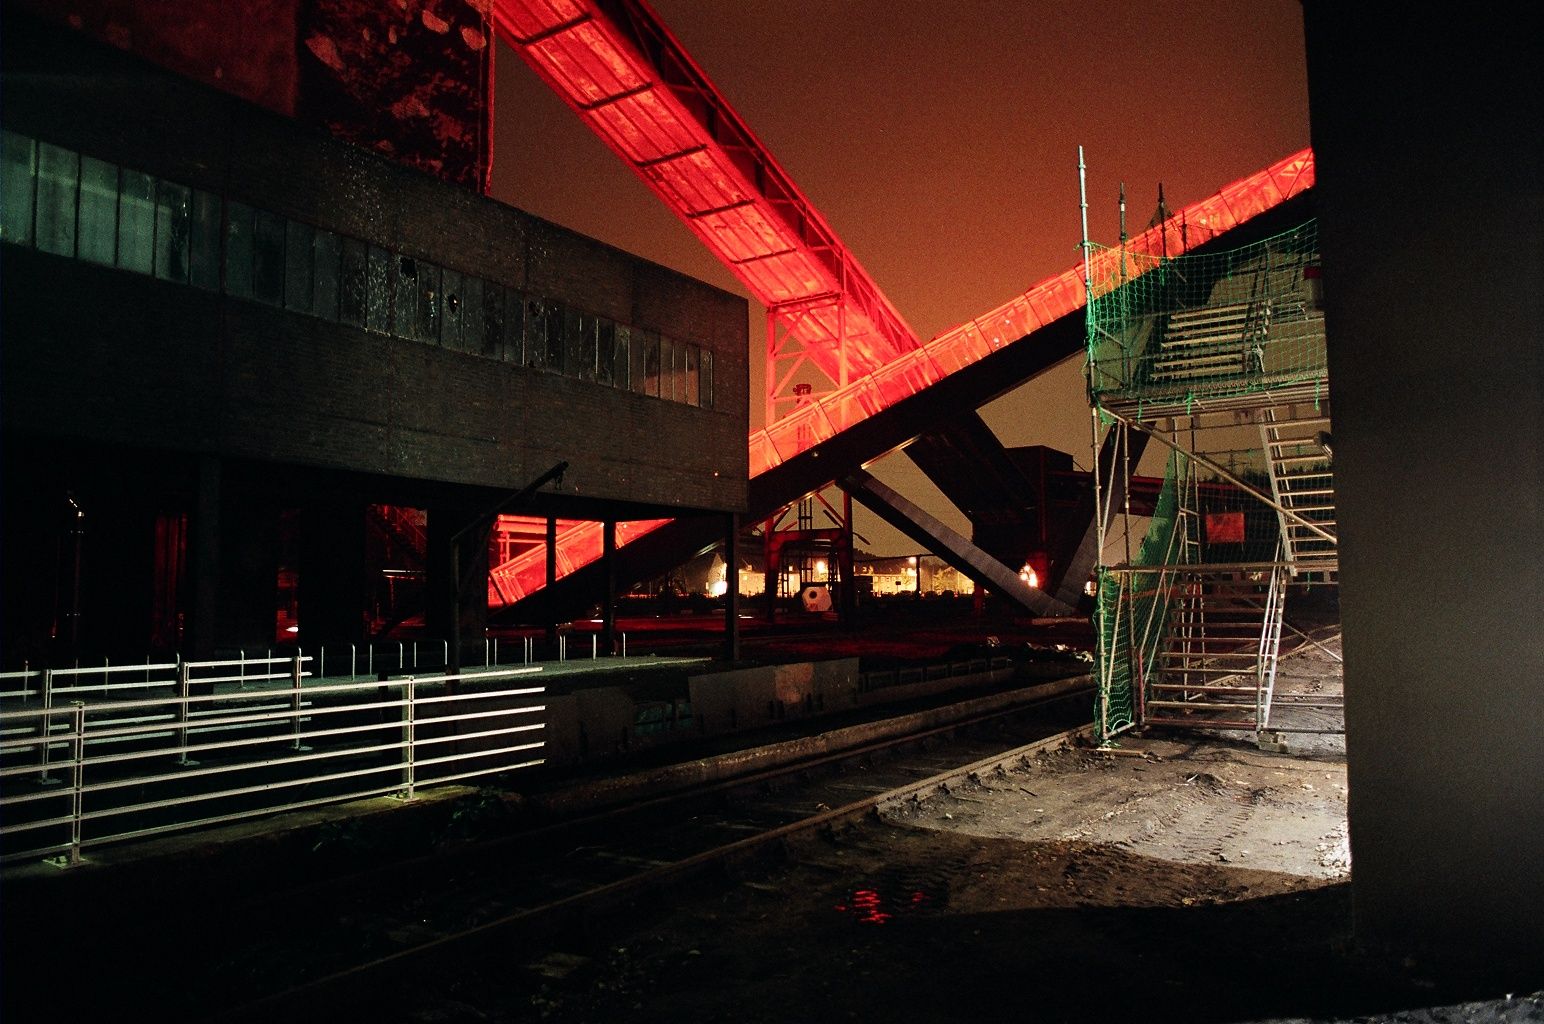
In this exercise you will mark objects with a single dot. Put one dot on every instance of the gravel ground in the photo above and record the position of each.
(1187, 878)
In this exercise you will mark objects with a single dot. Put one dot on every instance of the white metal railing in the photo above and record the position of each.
(201, 746)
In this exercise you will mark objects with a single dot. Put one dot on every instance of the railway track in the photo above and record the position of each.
(339, 947)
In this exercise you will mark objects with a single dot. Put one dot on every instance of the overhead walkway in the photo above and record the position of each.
(963, 368)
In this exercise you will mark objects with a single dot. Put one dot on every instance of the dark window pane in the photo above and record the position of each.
(450, 310)
(536, 334)
(352, 289)
(555, 316)
(667, 370)
(406, 272)
(378, 291)
(298, 256)
(689, 379)
(638, 374)
(431, 302)
(472, 315)
(268, 257)
(58, 171)
(238, 250)
(572, 327)
(171, 231)
(324, 279)
(651, 365)
(205, 231)
(605, 352)
(493, 320)
(136, 221)
(18, 179)
(705, 388)
(514, 327)
(621, 360)
(98, 241)
(581, 347)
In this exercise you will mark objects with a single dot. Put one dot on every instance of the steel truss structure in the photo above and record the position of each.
(622, 71)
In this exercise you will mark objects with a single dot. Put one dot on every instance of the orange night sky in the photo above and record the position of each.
(940, 141)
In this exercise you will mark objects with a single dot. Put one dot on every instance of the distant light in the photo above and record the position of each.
(1029, 576)
(912, 560)
(292, 629)
(820, 566)
(719, 588)
(1090, 588)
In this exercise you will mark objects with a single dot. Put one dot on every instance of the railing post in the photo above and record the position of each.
(415, 656)
(409, 738)
(46, 728)
(321, 661)
(445, 654)
(594, 646)
(624, 645)
(184, 687)
(77, 799)
(296, 673)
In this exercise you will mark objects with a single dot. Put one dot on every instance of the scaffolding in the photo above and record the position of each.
(1219, 358)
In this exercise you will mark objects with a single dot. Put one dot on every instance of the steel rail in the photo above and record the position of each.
(314, 997)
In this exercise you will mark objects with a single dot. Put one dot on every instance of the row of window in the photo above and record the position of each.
(69, 204)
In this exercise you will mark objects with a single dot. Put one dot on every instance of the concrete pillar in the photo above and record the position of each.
(552, 576)
(608, 608)
(204, 559)
(246, 602)
(115, 571)
(457, 590)
(333, 586)
(732, 588)
(1429, 185)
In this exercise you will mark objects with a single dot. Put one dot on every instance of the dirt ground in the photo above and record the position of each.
(1186, 878)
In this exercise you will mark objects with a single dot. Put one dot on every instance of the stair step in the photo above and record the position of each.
(1208, 723)
(1197, 705)
(1193, 360)
(1301, 421)
(1210, 314)
(1193, 670)
(1243, 691)
(1206, 656)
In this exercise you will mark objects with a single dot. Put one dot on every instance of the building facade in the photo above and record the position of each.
(230, 341)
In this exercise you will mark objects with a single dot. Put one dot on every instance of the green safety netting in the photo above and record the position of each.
(1207, 326)
(1132, 608)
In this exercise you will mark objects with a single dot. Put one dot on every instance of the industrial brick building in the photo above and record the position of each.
(235, 349)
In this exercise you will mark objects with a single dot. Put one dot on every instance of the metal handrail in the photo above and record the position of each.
(117, 795)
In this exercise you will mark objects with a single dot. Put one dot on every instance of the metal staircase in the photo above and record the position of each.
(1212, 341)
(1217, 667)
(1302, 483)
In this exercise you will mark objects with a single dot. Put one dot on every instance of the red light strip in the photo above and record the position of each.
(627, 77)
(1047, 301)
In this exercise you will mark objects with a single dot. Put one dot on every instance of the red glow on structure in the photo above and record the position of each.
(910, 372)
(630, 80)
